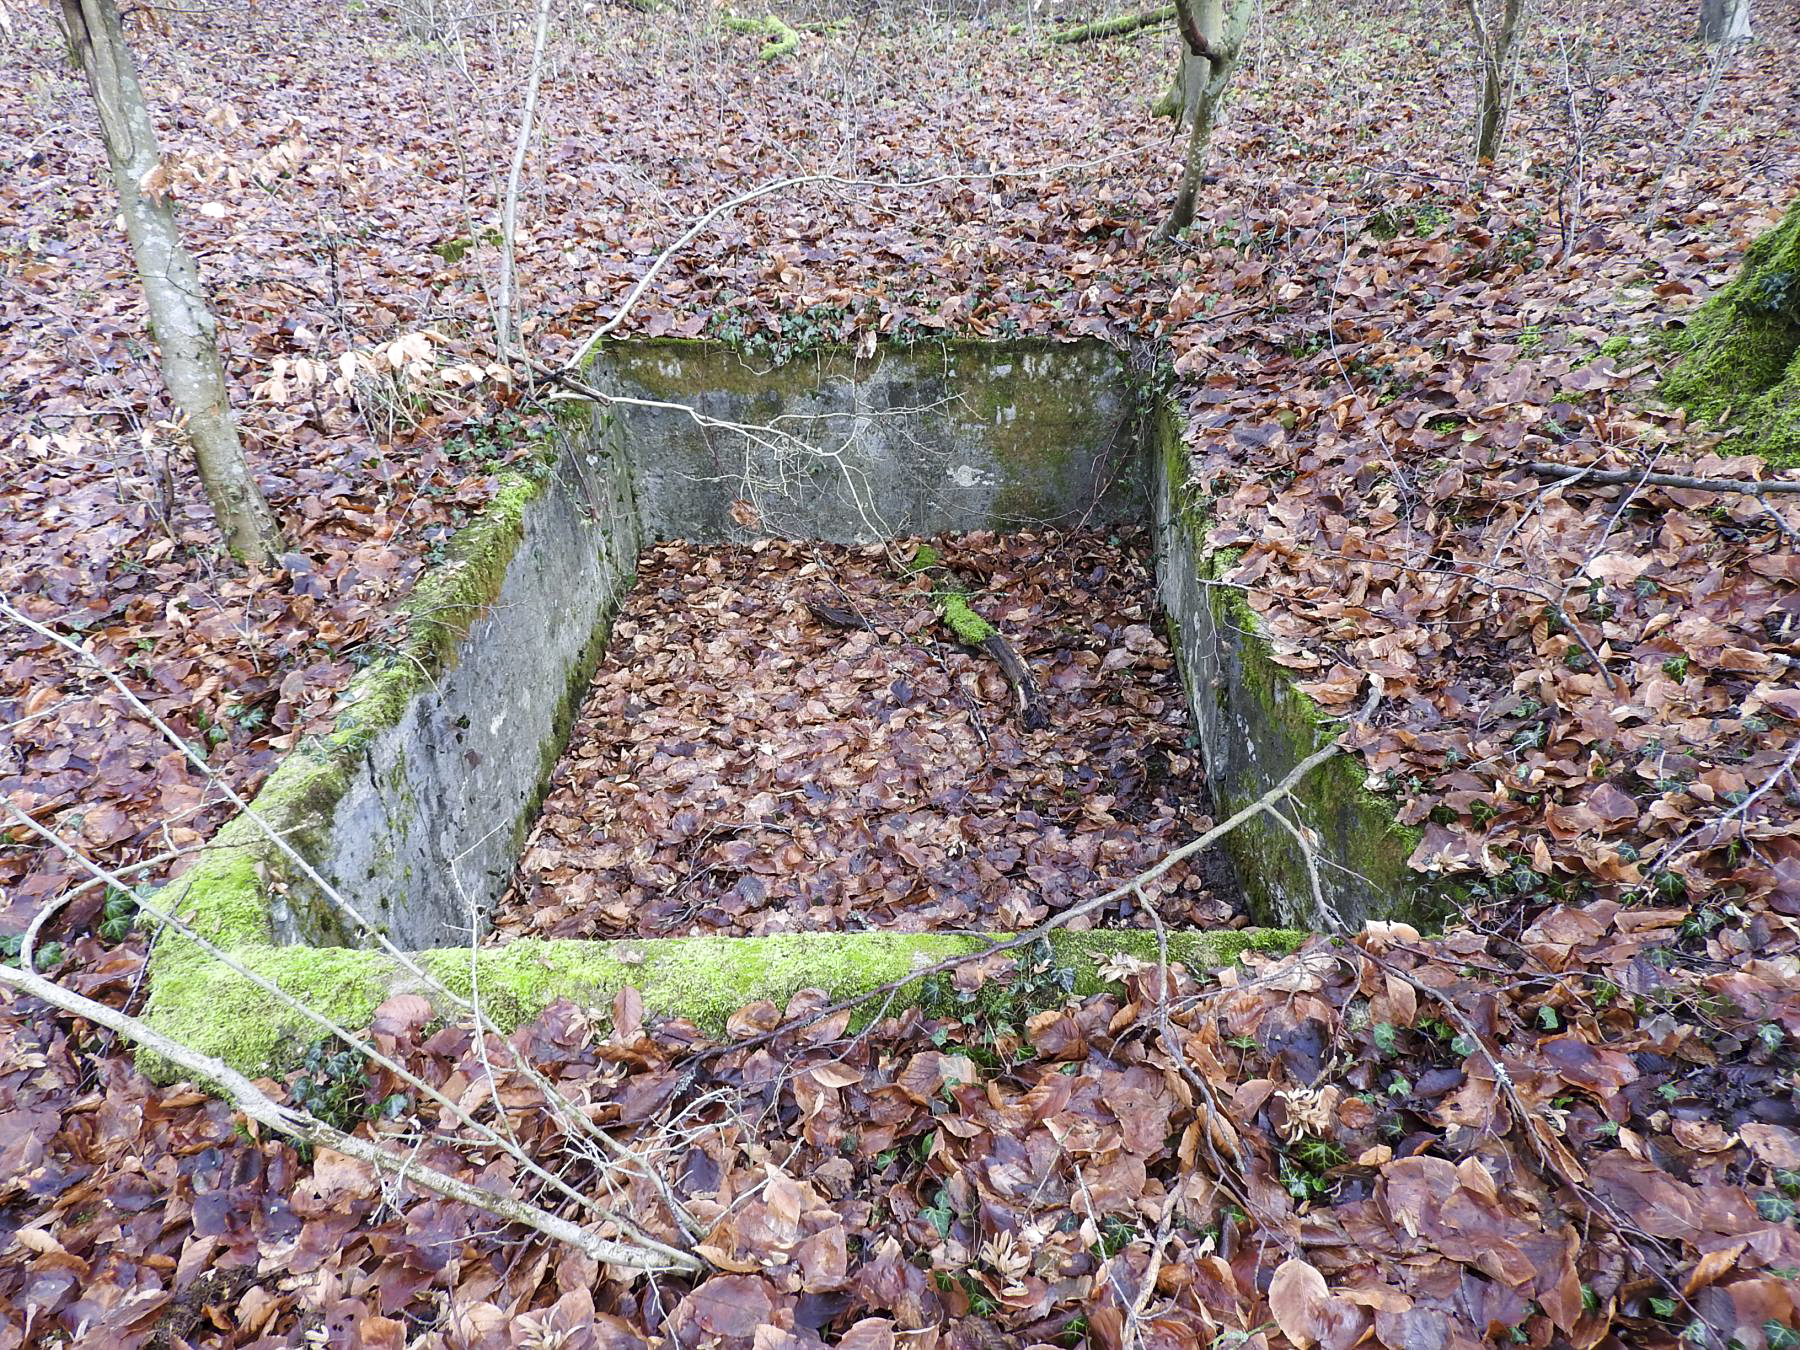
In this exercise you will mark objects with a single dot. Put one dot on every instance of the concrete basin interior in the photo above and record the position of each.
(412, 814)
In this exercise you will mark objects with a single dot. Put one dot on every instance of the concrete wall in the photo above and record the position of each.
(416, 806)
(429, 827)
(1254, 726)
(938, 437)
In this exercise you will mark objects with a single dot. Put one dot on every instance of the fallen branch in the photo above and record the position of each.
(1114, 27)
(951, 601)
(485, 1136)
(834, 616)
(307, 1128)
(782, 38)
(974, 631)
(1753, 487)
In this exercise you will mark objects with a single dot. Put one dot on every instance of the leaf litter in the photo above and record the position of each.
(1570, 1121)
(741, 767)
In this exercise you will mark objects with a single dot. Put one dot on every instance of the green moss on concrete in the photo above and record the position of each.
(1037, 409)
(220, 1013)
(1740, 354)
(1249, 688)
(451, 596)
(226, 895)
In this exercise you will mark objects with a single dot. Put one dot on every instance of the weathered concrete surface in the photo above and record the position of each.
(414, 807)
(938, 437)
(431, 824)
(1254, 726)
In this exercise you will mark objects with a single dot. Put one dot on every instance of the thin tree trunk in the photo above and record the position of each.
(1184, 89)
(1495, 52)
(1212, 32)
(504, 325)
(1724, 20)
(185, 331)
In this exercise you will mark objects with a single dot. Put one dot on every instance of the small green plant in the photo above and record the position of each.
(44, 957)
(1114, 1238)
(787, 336)
(117, 915)
(334, 1086)
(939, 1214)
(1676, 667)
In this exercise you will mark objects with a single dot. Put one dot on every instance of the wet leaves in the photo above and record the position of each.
(1591, 708)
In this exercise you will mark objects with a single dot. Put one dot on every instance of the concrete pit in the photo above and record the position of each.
(417, 809)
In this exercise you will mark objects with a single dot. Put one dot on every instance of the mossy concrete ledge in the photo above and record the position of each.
(414, 806)
(1254, 725)
(704, 979)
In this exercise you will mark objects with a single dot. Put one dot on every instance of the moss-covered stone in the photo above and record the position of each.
(1739, 356)
(220, 1013)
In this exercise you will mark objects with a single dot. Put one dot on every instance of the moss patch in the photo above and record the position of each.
(781, 39)
(970, 628)
(1740, 354)
(220, 1013)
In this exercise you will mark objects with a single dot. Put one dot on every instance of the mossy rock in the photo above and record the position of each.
(1739, 355)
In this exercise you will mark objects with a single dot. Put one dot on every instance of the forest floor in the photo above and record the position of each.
(741, 767)
(1571, 1119)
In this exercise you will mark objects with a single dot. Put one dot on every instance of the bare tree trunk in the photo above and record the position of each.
(1212, 32)
(1184, 89)
(185, 330)
(504, 324)
(1495, 51)
(1724, 20)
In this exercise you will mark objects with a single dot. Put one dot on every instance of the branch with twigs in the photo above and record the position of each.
(575, 1120)
(1753, 487)
(303, 1126)
(485, 1135)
